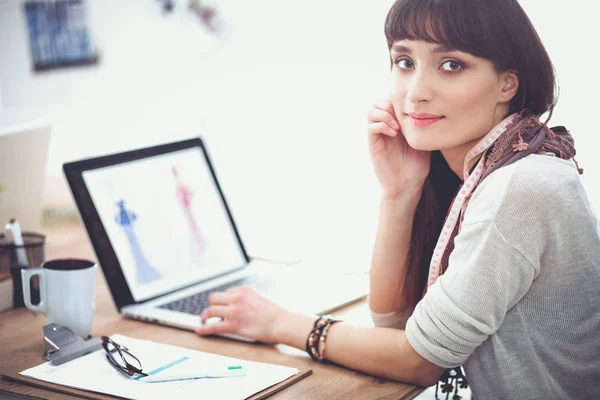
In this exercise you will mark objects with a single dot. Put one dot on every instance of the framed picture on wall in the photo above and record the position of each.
(59, 34)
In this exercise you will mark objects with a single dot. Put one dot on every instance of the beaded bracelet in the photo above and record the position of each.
(315, 343)
(310, 340)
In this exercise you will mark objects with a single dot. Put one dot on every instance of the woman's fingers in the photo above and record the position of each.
(382, 120)
(222, 298)
(216, 311)
(248, 314)
(385, 105)
(381, 127)
(224, 326)
(378, 115)
(234, 289)
(223, 304)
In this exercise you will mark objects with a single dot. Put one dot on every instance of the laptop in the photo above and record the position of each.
(23, 156)
(165, 238)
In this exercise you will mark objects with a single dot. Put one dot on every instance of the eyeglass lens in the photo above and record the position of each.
(120, 357)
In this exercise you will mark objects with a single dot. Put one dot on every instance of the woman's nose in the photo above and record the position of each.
(420, 87)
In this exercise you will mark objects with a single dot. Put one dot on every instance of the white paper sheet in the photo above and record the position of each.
(94, 373)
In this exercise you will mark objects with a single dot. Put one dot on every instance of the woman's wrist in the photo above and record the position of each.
(292, 329)
(408, 198)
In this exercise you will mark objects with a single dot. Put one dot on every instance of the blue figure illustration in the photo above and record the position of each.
(145, 272)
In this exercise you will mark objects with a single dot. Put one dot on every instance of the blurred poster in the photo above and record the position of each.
(59, 34)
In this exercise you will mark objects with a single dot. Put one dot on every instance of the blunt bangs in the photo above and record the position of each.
(436, 21)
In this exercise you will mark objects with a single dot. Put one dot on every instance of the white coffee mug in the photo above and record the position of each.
(67, 293)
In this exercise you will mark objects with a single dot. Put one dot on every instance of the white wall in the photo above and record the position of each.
(282, 104)
(570, 32)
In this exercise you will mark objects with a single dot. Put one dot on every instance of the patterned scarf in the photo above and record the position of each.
(523, 136)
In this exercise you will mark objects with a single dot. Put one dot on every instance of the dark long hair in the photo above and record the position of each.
(497, 30)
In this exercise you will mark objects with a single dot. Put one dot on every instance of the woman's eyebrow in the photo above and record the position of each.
(437, 49)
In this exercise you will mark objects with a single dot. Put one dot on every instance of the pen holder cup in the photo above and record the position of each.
(14, 258)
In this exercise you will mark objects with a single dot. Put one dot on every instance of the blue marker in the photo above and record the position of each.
(170, 372)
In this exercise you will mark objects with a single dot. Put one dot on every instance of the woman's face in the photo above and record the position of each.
(446, 99)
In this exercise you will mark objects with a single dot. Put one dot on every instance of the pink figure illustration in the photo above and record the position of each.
(185, 195)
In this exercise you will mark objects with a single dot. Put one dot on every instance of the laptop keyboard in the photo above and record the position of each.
(197, 302)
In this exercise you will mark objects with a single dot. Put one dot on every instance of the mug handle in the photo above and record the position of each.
(26, 275)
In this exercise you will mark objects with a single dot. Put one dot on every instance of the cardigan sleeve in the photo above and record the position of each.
(486, 277)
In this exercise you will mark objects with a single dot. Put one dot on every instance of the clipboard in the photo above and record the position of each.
(47, 370)
(61, 390)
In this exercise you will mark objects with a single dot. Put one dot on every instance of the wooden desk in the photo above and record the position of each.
(21, 343)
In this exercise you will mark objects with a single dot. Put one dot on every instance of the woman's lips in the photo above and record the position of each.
(424, 120)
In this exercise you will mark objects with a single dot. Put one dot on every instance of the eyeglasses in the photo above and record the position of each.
(125, 361)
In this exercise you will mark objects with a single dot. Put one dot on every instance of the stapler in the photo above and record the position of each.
(63, 345)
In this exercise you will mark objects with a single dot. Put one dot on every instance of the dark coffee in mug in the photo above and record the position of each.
(67, 264)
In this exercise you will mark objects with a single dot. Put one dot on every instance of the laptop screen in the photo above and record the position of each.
(165, 219)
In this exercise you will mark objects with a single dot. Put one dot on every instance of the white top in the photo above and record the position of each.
(519, 305)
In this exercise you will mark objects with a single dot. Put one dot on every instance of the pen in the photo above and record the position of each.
(15, 229)
(213, 372)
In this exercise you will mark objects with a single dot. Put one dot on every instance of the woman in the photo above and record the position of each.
(487, 252)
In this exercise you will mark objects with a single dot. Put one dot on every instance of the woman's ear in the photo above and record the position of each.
(510, 86)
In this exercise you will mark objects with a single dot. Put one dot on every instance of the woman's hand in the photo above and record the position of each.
(243, 312)
(398, 166)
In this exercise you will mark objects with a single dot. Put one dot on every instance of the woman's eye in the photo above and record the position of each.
(404, 63)
(452, 66)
